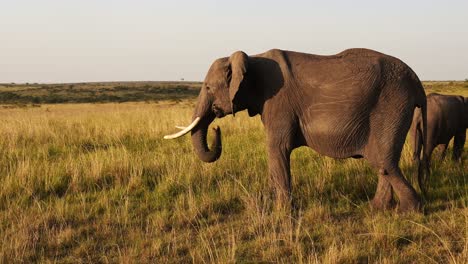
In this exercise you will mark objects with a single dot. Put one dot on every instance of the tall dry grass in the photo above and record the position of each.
(97, 183)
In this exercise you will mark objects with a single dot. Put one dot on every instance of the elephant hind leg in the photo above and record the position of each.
(389, 129)
(423, 177)
(383, 198)
(391, 180)
(384, 152)
(409, 199)
(458, 145)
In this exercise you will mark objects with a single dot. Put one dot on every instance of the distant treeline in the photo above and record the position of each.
(97, 92)
(105, 92)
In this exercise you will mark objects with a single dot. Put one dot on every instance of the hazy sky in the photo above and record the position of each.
(109, 40)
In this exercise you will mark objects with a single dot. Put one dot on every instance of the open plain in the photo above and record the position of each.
(86, 176)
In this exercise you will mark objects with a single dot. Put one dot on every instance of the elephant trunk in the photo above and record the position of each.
(199, 142)
(202, 119)
(200, 132)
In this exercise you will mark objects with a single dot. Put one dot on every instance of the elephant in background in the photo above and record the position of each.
(447, 118)
(358, 103)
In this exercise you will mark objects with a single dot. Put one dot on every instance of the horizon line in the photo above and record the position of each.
(167, 81)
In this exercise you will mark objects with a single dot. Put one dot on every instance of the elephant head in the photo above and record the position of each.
(216, 99)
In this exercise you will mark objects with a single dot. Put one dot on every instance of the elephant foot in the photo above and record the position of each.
(382, 204)
(408, 206)
(383, 198)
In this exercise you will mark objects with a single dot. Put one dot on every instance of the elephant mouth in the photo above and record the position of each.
(220, 115)
(218, 112)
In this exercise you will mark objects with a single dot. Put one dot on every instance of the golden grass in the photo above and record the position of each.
(97, 183)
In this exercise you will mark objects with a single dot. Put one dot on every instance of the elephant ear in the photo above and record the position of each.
(238, 64)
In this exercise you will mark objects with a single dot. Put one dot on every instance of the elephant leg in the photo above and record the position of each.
(383, 198)
(384, 153)
(280, 174)
(280, 128)
(428, 151)
(458, 144)
(423, 177)
(409, 199)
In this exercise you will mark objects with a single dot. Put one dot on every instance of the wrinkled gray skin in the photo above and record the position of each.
(358, 103)
(447, 118)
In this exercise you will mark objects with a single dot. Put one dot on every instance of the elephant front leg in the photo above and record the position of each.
(280, 174)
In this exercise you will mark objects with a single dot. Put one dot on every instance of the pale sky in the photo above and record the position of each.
(154, 40)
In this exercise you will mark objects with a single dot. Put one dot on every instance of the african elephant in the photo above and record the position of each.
(358, 103)
(447, 118)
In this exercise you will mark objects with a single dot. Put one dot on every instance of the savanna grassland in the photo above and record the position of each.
(95, 182)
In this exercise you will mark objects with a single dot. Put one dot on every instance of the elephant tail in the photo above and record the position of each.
(421, 129)
(417, 135)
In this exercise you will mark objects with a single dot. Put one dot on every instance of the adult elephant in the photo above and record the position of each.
(358, 103)
(447, 118)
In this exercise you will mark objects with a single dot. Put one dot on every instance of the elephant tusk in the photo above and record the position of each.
(180, 127)
(184, 131)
